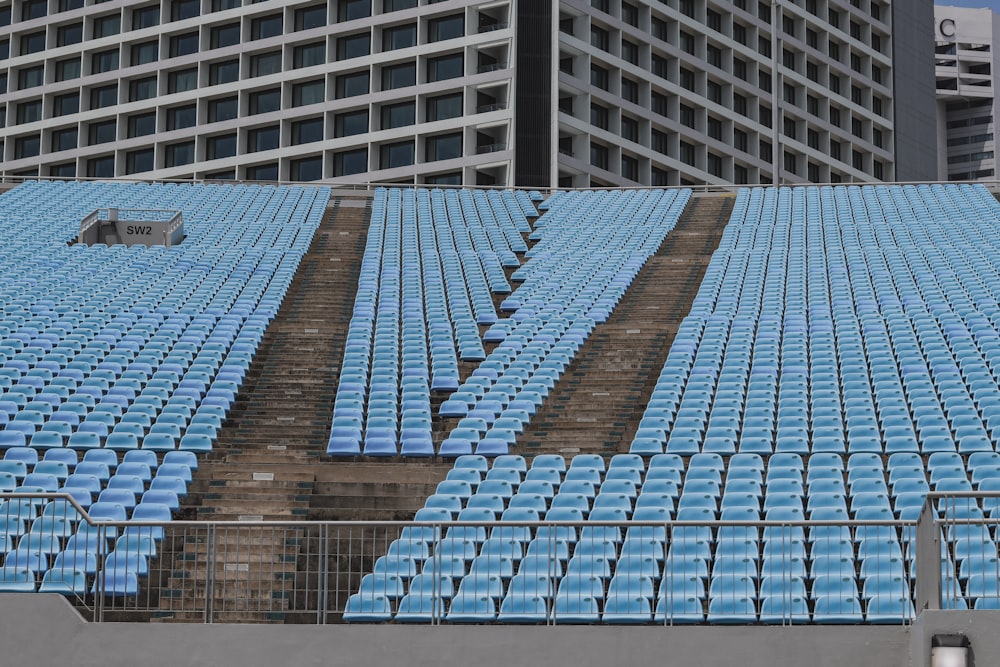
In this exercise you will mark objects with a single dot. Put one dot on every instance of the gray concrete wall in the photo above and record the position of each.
(45, 630)
(980, 627)
(915, 108)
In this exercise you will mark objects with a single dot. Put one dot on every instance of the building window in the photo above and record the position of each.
(714, 128)
(309, 55)
(226, 108)
(307, 18)
(220, 147)
(443, 147)
(265, 101)
(263, 172)
(348, 10)
(444, 107)
(182, 80)
(33, 43)
(145, 53)
(630, 52)
(225, 35)
(346, 163)
(105, 96)
(353, 46)
(350, 123)
(687, 115)
(351, 85)
(106, 26)
(68, 69)
(184, 9)
(101, 167)
(263, 139)
(686, 153)
(142, 89)
(224, 72)
(105, 61)
(181, 117)
(306, 169)
(69, 34)
(145, 17)
(29, 146)
(396, 5)
(399, 76)
(399, 37)
(103, 133)
(179, 154)
(141, 125)
(659, 141)
(714, 165)
(599, 116)
(64, 140)
(139, 161)
(598, 76)
(630, 90)
(265, 27)
(630, 129)
(34, 9)
(599, 155)
(29, 112)
(445, 67)
(309, 92)
(64, 105)
(307, 131)
(31, 77)
(64, 170)
(265, 64)
(227, 175)
(399, 154)
(687, 79)
(446, 27)
(630, 168)
(223, 5)
(398, 115)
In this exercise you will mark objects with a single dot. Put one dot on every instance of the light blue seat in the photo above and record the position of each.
(837, 609)
(471, 609)
(419, 608)
(362, 608)
(575, 610)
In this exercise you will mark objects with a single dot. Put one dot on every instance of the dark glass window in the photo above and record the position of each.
(105, 26)
(446, 27)
(64, 170)
(263, 172)
(444, 147)
(350, 85)
(29, 146)
(31, 77)
(350, 162)
(184, 9)
(306, 169)
(145, 53)
(396, 5)
(141, 125)
(142, 89)
(265, 26)
(64, 140)
(101, 167)
(68, 69)
(310, 17)
(399, 154)
(399, 37)
(399, 115)
(102, 133)
(309, 55)
(443, 107)
(348, 10)
(222, 146)
(226, 108)
(353, 46)
(265, 101)
(69, 34)
(225, 35)
(105, 61)
(29, 112)
(309, 92)
(181, 80)
(307, 131)
(265, 63)
(105, 96)
(263, 139)
(222, 5)
(445, 67)
(181, 117)
(64, 105)
(224, 72)
(139, 161)
(350, 123)
(399, 76)
(145, 17)
(182, 45)
(33, 9)
(180, 154)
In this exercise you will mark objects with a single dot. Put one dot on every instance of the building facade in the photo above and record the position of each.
(499, 92)
(965, 63)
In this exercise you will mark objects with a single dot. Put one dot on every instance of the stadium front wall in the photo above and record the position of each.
(45, 630)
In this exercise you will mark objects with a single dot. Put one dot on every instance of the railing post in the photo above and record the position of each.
(324, 576)
(928, 558)
(210, 552)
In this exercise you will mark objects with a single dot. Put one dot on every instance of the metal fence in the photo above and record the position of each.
(669, 573)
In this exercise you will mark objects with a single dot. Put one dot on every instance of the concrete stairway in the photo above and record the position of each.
(597, 405)
(265, 461)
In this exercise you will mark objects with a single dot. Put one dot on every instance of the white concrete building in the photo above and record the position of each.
(966, 61)
(487, 92)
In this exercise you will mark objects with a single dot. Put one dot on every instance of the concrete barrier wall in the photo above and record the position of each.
(45, 630)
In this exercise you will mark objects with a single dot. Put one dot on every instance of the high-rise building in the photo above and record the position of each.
(966, 64)
(504, 92)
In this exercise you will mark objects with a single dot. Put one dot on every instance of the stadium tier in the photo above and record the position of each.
(839, 363)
